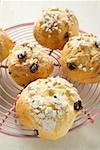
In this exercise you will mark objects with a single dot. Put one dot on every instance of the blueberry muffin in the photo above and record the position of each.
(5, 45)
(80, 59)
(28, 62)
(49, 107)
(55, 27)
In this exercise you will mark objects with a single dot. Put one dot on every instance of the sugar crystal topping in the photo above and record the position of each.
(47, 108)
(52, 18)
(85, 52)
(48, 124)
(33, 54)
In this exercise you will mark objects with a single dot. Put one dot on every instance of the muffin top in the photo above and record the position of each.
(54, 18)
(5, 40)
(29, 55)
(83, 52)
(5, 44)
(50, 100)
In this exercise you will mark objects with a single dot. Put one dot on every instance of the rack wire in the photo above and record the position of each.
(9, 123)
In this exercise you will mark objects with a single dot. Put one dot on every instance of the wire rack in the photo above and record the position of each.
(9, 124)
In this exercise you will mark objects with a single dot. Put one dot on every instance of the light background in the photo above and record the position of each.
(88, 14)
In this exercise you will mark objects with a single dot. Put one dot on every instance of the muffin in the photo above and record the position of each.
(80, 59)
(5, 44)
(28, 62)
(49, 107)
(55, 27)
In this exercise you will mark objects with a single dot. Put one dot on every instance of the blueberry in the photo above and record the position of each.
(36, 131)
(22, 55)
(97, 44)
(66, 35)
(9, 72)
(78, 105)
(55, 96)
(34, 67)
(71, 65)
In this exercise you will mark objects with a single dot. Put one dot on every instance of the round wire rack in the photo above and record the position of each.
(9, 124)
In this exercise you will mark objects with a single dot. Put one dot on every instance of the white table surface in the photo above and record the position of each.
(88, 14)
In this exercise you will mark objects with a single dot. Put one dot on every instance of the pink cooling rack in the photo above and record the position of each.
(9, 124)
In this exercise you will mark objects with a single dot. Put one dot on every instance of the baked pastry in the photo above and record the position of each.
(80, 59)
(49, 106)
(55, 27)
(28, 62)
(5, 44)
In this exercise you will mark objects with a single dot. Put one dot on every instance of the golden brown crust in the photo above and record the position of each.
(55, 28)
(80, 59)
(37, 107)
(21, 69)
(5, 44)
